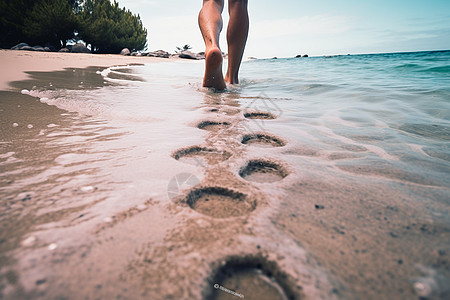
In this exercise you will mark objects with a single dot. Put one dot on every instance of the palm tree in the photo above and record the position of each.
(184, 48)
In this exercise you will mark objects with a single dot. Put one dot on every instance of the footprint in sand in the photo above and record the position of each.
(262, 170)
(251, 277)
(259, 115)
(219, 202)
(193, 154)
(213, 125)
(262, 140)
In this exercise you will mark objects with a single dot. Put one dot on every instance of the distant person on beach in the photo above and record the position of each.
(210, 22)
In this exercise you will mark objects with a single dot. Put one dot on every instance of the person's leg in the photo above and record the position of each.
(210, 22)
(237, 33)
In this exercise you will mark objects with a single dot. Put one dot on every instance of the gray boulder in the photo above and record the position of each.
(38, 48)
(18, 46)
(159, 53)
(47, 49)
(125, 52)
(26, 48)
(80, 48)
(65, 50)
(190, 55)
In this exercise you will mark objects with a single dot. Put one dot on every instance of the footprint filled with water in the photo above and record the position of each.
(263, 171)
(219, 202)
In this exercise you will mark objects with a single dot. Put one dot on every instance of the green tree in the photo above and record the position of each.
(75, 4)
(41, 21)
(109, 29)
(100, 23)
(50, 21)
(12, 17)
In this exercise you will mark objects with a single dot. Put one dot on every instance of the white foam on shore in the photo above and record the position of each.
(124, 80)
(125, 100)
(104, 73)
(92, 105)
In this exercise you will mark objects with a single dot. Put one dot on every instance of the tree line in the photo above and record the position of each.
(100, 23)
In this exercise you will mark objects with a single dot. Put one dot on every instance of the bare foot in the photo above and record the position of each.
(231, 79)
(213, 69)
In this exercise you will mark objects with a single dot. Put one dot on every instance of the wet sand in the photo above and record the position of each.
(259, 215)
(15, 64)
(215, 233)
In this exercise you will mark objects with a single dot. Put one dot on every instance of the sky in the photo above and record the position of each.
(286, 28)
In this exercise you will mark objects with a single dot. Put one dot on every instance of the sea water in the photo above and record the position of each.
(351, 167)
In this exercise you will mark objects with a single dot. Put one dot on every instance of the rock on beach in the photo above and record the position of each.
(125, 52)
(26, 47)
(159, 53)
(191, 55)
(19, 46)
(80, 48)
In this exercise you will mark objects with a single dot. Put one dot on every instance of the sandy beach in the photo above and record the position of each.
(134, 182)
(15, 64)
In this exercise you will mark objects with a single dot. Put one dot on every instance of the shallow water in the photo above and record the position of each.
(129, 179)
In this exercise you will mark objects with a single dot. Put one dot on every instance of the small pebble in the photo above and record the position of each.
(419, 287)
(317, 206)
(26, 198)
(422, 289)
(108, 220)
(87, 189)
(25, 92)
(141, 207)
(25, 195)
(30, 126)
(29, 241)
(52, 246)
(15, 124)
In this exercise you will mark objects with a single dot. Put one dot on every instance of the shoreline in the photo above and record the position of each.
(15, 64)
